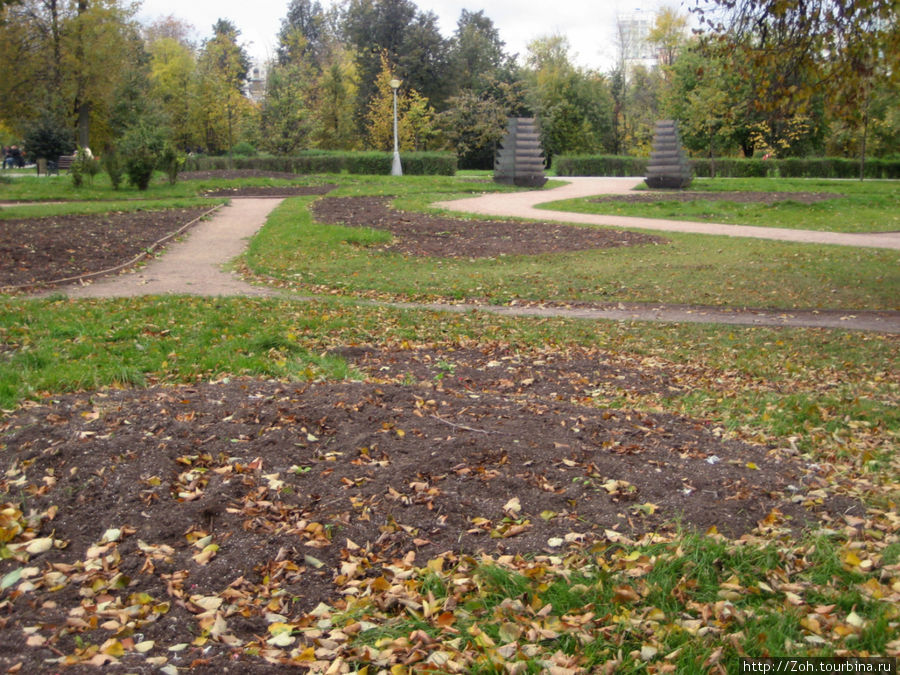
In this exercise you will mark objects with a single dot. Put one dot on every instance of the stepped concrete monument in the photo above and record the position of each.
(520, 160)
(668, 166)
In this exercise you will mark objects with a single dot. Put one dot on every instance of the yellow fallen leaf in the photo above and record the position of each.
(206, 554)
(513, 505)
(207, 602)
(113, 648)
(855, 620)
(41, 545)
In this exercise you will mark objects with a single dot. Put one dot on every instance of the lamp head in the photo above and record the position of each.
(395, 83)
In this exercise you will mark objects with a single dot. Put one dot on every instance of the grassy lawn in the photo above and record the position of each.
(868, 206)
(691, 269)
(667, 604)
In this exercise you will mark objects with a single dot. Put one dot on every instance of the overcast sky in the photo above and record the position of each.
(588, 24)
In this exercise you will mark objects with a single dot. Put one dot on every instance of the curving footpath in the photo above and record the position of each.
(194, 265)
(524, 205)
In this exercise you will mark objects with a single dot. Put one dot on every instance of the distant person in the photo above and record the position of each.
(16, 156)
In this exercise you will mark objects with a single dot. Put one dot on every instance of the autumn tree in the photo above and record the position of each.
(335, 92)
(173, 69)
(287, 111)
(799, 52)
(668, 34)
(415, 118)
(410, 39)
(65, 60)
(222, 69)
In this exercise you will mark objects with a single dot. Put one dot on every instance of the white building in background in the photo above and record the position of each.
(632, 31)
(255, 88)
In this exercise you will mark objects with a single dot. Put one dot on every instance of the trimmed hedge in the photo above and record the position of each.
(732, 167)
(599, 165)
(369, 163)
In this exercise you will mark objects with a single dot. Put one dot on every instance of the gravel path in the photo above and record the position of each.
(194, 265)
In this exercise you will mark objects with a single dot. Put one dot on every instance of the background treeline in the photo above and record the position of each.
(782, 78)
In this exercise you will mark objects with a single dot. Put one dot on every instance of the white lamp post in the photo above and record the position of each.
(396, 168)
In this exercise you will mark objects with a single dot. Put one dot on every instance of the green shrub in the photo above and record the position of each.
(243, 149)
(321, 161)
(599, 165)
(171, 162)
(429, 163)
(112, 164)
(48, 138)
(84, 165)
(733, 167)
(142, 147)
(369, 163)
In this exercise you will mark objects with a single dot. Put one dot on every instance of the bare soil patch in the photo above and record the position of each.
(738, 197)
(423, 234)
(38, 251)
(259, 498)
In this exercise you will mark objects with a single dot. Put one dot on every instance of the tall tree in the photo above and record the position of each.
(222, 69)
(287, 110)
(335, 99)
(573, 106)
(668, 34)
(477, 52)
(305, 19)
(410, 40)
(173, 69)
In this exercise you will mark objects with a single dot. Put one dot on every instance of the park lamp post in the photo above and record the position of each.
(396, 168)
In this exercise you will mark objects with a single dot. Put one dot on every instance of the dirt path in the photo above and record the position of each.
(193, 266)
(524, 205)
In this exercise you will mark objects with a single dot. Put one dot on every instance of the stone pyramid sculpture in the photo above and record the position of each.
(668, 166)
(520, 160)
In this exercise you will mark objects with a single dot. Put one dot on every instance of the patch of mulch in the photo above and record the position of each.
(37, 251)
(145, 506)
(422, 234)
(643, 197)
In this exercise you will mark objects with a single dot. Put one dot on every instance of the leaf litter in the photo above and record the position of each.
(458, 508)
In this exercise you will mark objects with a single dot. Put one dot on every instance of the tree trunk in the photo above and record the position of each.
(862, 145)
(82, 105)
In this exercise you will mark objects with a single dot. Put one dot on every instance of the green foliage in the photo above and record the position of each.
(733, 167)
(83, 166)
(320, 161)
(599, 165)
(143, 147)
(474, 127)
(171, 161)
(243, 149)
(371, 163)
(429, 163)
(48, 138)
(112, 164)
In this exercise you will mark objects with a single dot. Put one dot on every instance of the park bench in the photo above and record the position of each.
(63, 162)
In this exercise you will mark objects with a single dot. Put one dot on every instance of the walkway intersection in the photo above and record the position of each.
(194, 265)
